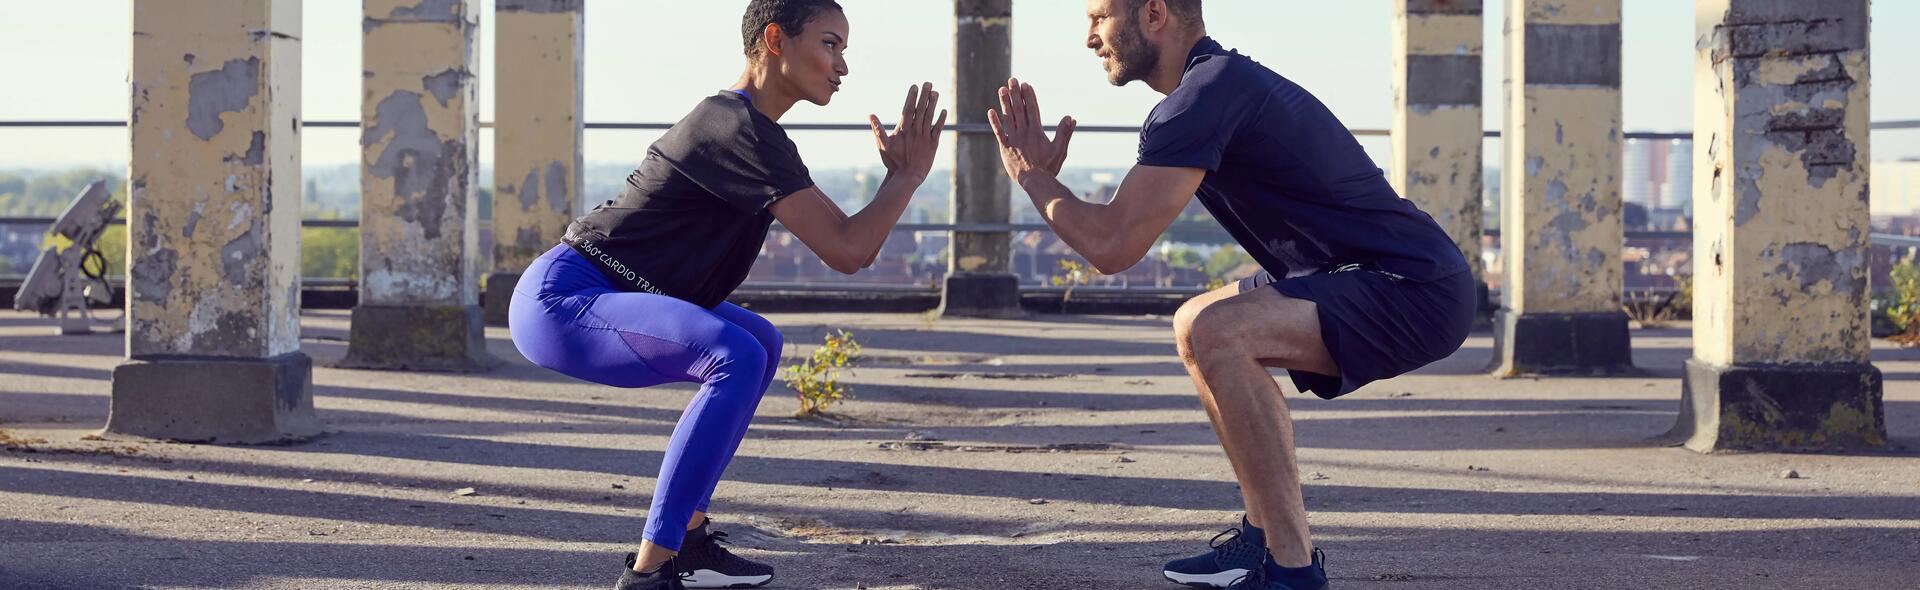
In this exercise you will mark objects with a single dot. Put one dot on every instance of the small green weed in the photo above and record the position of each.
(816, 380)
(1904, 307)
(1073, 273)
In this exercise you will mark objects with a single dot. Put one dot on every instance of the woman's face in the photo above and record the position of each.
(814, 60)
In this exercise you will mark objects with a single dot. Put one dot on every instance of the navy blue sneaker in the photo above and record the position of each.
(1268, 576)
(1236, 552)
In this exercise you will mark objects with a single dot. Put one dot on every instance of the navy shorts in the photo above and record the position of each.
(1378, 325)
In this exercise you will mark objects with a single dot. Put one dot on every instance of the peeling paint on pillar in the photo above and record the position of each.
(1438, 117)
(419, 132)
(210, 132)
(538, 127)
(1783, 119)
(1563, 228)
(226, 90)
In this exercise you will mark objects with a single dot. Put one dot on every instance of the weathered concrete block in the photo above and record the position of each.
(1764, 407)
(981, 295)
(420, 261)
(419, 138)
(215, 400)
(418, 338)
(981, 261)
(1438, 58)
(1561, 214)
(537, 133)
(1562, 344)
(213, 227)
(1782, 343)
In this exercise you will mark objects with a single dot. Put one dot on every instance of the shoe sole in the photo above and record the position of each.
(713, 579)
(1219, 580)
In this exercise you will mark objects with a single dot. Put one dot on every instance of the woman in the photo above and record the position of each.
(635, 297)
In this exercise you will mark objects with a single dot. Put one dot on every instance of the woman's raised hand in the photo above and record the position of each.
(909, 149)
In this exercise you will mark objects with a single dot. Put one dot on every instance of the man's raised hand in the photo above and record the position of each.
(1024, 147)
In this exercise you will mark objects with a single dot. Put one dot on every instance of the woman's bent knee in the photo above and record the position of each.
(737, 352)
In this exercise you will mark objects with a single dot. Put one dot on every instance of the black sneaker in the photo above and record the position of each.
(1258, 579)
(1234, 554)
(665, 578)
(704, 563)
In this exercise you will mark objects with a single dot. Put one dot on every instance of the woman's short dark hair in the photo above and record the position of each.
(791, 15)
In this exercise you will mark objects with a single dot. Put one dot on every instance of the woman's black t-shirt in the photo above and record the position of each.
(693, 216)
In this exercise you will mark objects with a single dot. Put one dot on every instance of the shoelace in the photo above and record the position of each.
(713, 540)
(1219, 545)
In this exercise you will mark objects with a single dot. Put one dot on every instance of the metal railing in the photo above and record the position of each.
(1187, 232)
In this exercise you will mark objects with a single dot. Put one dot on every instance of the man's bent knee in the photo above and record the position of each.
(1186, 320)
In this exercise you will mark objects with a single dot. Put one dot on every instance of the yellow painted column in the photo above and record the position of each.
(980, 280)
(1437, 123)
(213, 232)
(1781, 336)
(538, 120)
(419, 265)
(1560, 214)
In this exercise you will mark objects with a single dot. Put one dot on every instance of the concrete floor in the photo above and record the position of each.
(1442, 479)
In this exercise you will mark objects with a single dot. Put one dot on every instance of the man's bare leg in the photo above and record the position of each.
(1227, 341)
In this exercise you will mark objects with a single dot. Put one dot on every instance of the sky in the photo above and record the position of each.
(651, 60)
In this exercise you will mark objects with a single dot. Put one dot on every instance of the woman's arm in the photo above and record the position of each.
(846, 243)
(850, 243)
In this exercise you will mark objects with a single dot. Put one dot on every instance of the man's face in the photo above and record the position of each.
(1113, 33)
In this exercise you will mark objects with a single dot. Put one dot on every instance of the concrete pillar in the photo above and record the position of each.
(419, 132)
(1561, 310)
(540, 49)
(1437, 117)
(1781, 339)
(980, 280)
(213, 341)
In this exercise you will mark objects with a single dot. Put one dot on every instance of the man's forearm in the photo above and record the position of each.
(1077, 222)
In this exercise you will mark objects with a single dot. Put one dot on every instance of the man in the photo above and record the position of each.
(1359, 285)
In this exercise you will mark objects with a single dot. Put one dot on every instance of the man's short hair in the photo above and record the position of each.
(1187, 10)
(791, 15)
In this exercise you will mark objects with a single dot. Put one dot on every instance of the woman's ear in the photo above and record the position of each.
(771, 38)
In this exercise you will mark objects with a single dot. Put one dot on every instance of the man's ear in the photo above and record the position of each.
(771, 38)
(1155, 15)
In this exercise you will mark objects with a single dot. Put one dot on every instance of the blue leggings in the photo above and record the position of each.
(568, 317)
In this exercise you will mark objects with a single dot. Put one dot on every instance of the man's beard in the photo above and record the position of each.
(1132, 56)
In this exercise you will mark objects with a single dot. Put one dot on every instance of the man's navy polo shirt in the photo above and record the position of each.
(1285, 177)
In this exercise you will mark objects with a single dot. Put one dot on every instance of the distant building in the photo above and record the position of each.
(1679, 188)
(1638, 187)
